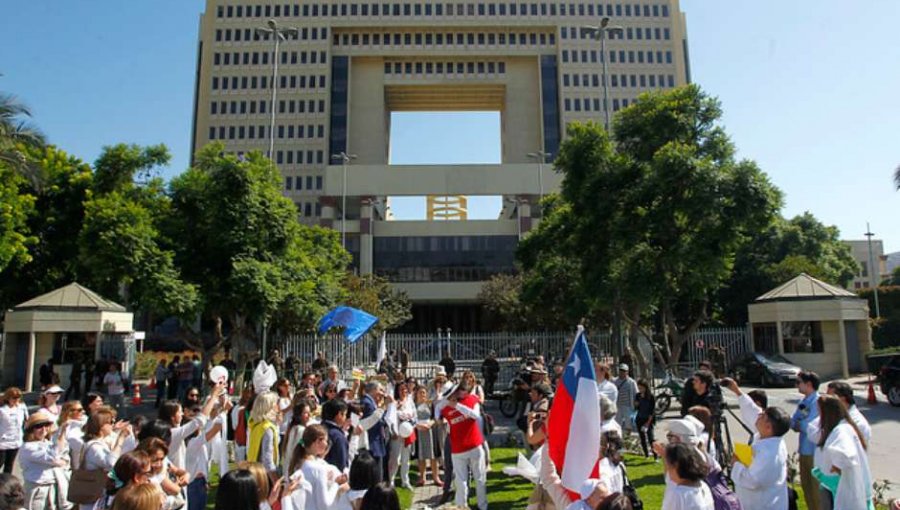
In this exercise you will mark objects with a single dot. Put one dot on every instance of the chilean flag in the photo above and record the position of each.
(574, 423)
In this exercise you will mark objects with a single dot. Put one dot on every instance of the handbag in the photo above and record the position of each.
(630, 492)
(86, 485)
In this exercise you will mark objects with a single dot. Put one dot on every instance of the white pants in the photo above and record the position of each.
(399, 460)
(40, 497)
(463, 463)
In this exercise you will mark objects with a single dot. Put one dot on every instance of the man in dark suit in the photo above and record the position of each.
(373, 423)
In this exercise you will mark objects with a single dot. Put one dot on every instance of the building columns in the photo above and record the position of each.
(779, 339)
(845, 369)
(29, 369)
(366, 223)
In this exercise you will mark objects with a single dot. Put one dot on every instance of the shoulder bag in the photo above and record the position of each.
(86, 485)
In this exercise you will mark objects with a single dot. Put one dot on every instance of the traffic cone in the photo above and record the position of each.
(871, 397)
(136, 399)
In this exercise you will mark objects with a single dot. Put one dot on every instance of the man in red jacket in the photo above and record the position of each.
(461, 412)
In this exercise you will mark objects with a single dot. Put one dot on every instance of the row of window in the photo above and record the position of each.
(444, 9)
(618, 57)
(249, 34)
(262, 58)
(308, 209)
(616, 80)
(443, 274)
(251, 132)
(439, 67)
(293, 81)
(296, 182)
(631, 33)
(593, 104)
(479, 38)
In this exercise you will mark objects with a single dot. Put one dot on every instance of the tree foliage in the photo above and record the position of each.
(654, 220)
(17, 135)
(238, 240)
(375, 295)
(15, 208)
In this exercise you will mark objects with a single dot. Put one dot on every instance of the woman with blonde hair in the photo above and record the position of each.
(97, 452)
(138, 497)
(13, 414)
(262, 445)
(39, 458)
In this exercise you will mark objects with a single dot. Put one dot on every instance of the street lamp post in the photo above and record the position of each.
(345, 160)
(541, 158)
(278, 34)
(874, 275)
(601, 33)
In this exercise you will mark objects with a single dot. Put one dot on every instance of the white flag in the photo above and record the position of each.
(382, 350)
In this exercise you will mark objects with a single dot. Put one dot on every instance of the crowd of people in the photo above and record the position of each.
(330, 443)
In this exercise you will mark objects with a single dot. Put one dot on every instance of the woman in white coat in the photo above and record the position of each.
(97, 452)
(841, 462)
(13, 414)
(327, 484)
(39, 458)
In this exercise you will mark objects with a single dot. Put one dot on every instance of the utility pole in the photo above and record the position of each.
(601, 33)
(345, 160)
(278, 35)
(874, 275)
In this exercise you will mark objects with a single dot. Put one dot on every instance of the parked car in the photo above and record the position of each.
(889, 379)
(764, 370)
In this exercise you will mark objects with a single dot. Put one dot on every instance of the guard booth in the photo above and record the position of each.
(815, 325)
(69, 324)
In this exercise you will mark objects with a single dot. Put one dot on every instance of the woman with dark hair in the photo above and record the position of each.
(157, 450)
(91, 402)
(13, 414)
(645, 403)
(191, 397)
(132, 468)
(363, 476)
(171, 411)
(12, 495)
(400, 446)
(327, 483)
(299, 419)
(381, 497)
(237, 491)
(686, 469)
(841, 462)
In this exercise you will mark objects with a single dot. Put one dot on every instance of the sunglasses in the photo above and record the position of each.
(193, 394)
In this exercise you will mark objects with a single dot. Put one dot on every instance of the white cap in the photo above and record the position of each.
(688, 429)
(623, 366)
(54, 389)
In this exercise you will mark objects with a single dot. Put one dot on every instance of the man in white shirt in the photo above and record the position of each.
(763, 484)
(115, 388)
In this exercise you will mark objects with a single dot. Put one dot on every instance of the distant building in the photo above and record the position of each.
(892, 262)
(860, 250)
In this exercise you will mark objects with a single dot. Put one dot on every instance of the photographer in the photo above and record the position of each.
(704, 391)
(539, 402)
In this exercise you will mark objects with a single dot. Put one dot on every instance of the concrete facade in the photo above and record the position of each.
(354, 63)
(860, 250)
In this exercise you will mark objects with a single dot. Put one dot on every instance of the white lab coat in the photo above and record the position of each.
(763, 485)
(684, 497)
(844, 451)
(815, 426)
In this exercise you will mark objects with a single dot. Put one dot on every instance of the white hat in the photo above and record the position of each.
(688, 429)
(587, 487)
(264, 377)
(405, 429)
(440, 370)
(623, 366)
(218, 374)
(54, 389)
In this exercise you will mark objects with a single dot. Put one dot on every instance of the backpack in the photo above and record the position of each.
(723, 497)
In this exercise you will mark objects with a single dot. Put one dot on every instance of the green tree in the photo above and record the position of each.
(238, 240)
(802, 244)
(17, 135)
(121, 248)
(15, 207)
(55, 224)
(656, 220)
(375, 295)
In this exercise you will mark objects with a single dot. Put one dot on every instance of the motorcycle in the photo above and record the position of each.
(671, 388)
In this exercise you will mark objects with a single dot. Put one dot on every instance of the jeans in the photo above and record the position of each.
(160, 392)
(196, 494)
(464, 463)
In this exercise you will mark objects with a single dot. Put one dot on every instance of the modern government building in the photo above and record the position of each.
(350, 64)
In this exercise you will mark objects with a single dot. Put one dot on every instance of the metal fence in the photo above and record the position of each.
(469, 350)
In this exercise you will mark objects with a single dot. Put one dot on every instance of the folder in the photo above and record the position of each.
(744, 453)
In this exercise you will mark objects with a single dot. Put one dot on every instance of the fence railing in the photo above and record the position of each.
(468, 350)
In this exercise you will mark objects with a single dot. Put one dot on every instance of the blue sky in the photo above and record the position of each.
(809, 90)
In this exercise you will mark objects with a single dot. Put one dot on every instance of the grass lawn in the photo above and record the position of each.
(511, 493)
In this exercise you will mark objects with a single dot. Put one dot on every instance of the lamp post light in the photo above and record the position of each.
(874, 274)
(278, 34)
(541, 158)
(345, 159)
(601, 33)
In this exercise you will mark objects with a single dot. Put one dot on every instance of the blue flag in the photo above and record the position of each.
(356, 323)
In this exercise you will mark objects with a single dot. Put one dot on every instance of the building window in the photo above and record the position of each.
(802, 337)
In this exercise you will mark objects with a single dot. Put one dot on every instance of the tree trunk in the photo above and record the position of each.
(678, 336)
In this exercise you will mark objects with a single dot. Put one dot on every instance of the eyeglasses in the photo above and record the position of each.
(193, 394)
